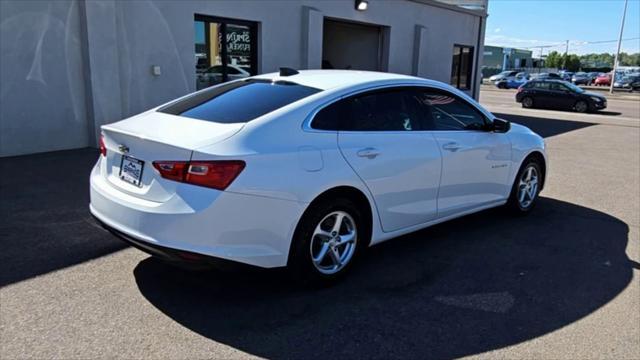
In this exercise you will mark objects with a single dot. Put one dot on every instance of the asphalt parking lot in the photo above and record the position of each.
(559, 283)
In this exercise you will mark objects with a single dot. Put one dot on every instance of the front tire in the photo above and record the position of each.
(326, 242)
(527, 102)
(581, 106)
(526, 187)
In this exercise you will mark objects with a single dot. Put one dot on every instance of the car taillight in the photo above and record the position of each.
(217, 174)
(172, 170)
(103, 148)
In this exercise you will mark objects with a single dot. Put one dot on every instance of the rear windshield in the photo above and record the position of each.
(239, 102)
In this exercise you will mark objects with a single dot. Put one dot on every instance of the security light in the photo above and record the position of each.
(362, 5)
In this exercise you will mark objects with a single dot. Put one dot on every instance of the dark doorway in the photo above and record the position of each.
(347, 45)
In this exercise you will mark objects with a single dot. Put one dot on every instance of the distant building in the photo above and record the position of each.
(497, 58)
(538, 62)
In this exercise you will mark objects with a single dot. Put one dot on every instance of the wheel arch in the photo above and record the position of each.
(538, 155)
(349, 192)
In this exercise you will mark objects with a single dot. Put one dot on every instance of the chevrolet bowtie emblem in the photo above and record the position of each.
(123, 149)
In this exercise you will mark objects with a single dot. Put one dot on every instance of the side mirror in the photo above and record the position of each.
(500, 125)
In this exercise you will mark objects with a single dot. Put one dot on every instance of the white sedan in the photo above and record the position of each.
(306, 169)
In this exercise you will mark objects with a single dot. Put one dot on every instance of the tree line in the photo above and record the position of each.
(573, 62)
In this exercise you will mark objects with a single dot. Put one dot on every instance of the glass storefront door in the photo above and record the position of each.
(225, 50)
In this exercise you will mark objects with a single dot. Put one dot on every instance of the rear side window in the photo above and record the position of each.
(330, 118)
(542, 85)
(239, 102)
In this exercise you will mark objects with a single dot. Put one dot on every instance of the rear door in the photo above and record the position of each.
(475, 162)
(562, 96)
(542, 95)
(400, 164)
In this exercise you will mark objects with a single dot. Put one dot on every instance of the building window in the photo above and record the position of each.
(461, 67)
(225, 50)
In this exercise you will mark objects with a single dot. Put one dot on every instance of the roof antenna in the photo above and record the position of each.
(285, 71)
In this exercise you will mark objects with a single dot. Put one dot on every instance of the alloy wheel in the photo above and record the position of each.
(333, 242)
(581, 106)
(528, 187)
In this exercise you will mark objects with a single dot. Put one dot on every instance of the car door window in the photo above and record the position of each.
(558, 87)
(542, 86)
(444, 111)
(389, 110)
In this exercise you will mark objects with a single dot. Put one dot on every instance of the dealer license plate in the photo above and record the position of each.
(131, 170)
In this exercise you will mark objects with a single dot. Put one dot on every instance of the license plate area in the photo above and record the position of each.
(131, 170)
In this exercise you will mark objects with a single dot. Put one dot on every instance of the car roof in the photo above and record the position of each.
(329, 79)
(548, 80)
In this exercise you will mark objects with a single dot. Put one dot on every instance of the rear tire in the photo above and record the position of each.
(526, 187)
(527, 102)
(321, 251)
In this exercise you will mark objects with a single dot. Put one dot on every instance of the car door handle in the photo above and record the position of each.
(369, 153)
(452, 146)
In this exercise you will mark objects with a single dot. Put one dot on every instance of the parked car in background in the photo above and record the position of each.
(581, 78)
(566, 75)
(628, 82)
(555, 94)
(252, 170)
(603, 80)
(545, 76)
(503, 76)
(513, 82)
(592, 76)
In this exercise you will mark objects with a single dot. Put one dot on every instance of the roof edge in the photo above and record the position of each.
(480, 13)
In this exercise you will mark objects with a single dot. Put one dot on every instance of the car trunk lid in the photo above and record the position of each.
(135, 143)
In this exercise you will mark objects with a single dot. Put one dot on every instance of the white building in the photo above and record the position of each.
(66, 67)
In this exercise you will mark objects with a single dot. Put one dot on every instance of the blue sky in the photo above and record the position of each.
(527, 23)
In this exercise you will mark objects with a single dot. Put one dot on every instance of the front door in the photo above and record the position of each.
(475, 162)
(400, 164)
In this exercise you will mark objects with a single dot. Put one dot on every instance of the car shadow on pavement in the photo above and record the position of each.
(475, 284)
(608, 113)
(45, 224)
(545, 127)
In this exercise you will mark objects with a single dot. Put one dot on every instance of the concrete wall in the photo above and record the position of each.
(42, 87)
(70, 66)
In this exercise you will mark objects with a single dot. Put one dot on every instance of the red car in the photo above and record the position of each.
(603, 80)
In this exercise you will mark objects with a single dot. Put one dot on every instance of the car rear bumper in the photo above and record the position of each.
(249, 229)
(185, 259)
